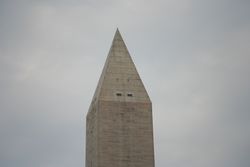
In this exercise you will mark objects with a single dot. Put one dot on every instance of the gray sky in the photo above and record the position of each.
(193, 57)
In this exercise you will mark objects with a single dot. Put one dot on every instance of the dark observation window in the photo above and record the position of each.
(130, 94)
(118, 94)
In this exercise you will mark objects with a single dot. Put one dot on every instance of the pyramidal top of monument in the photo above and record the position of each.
(120, 80)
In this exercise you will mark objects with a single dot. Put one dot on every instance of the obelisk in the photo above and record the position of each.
(119, 121)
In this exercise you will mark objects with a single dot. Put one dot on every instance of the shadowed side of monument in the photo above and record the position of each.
(119, 120)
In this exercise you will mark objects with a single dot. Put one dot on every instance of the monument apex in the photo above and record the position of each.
(119, 121)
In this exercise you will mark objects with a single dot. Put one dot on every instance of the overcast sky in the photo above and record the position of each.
(193, 57)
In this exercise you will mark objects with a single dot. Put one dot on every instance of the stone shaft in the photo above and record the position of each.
(119, 121)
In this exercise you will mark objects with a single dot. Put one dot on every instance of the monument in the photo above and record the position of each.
(119, 121)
